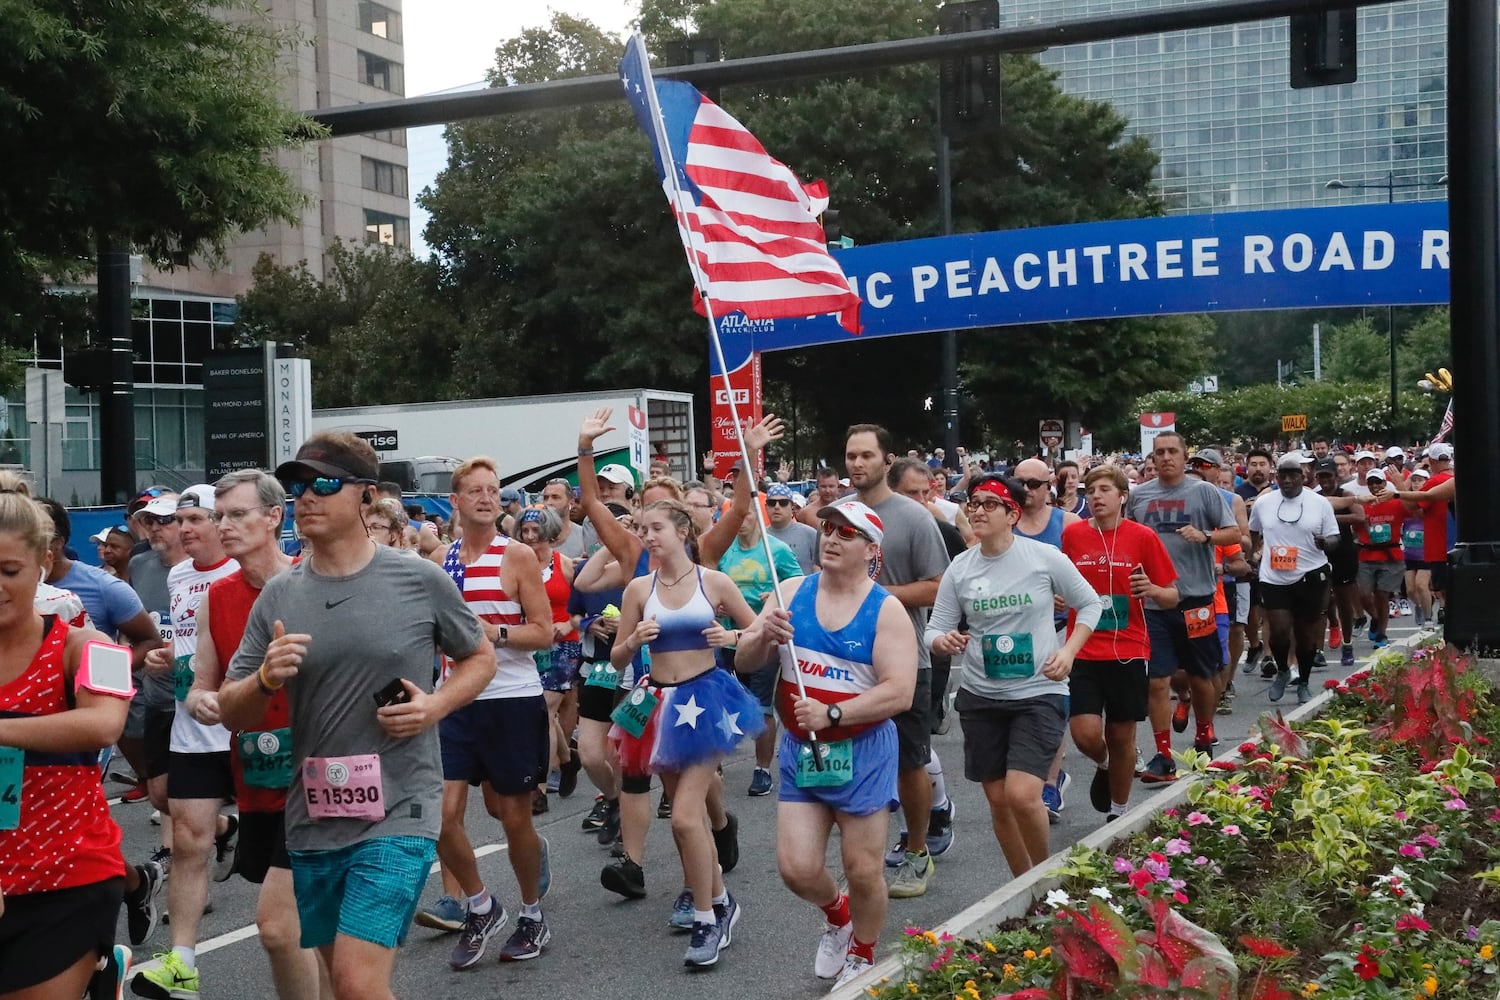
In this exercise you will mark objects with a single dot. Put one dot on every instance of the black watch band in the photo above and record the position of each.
(835, 715)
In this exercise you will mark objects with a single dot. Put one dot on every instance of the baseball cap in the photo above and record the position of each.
(201, 495)
(324, 457)
(1441, 451)
(1420, 472)
(799, 501)
(1327, 465)
(778, 491)
(1364, 454)
(1291, 460)
(1395, 452)
(161, 506)
(617, 474)
(1208, 456)
(1376, 474)
(510, 495)
(858, 515)
(102, 535)
(147, 495)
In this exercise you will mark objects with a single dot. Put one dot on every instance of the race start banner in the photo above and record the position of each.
(1153, 424)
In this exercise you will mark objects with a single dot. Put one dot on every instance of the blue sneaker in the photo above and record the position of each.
(1381, 641)
(682, 912)
(1052, 797)
(705, 945)
(727, 915)
(1278, 684)
(544, 880)
(760, 782)
(478, 929)
(940, 830)
(446, 915)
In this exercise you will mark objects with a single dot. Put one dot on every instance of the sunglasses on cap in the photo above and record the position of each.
(847, 532)
(321, 486)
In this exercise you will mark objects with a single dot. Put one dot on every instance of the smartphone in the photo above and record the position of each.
(393, 693)
(105, 669)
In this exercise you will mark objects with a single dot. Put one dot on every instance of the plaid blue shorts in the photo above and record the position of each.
(367, 890)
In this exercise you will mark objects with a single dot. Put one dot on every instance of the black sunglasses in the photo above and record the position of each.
(1034, 484)
(778, 502)
(321, 486)
(159, 519)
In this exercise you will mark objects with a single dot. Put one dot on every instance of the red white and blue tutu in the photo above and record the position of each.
(698, 720)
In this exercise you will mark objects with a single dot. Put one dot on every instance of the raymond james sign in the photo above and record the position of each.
(257, 408)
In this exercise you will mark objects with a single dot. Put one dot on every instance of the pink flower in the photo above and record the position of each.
(1181, 897)
(1428, 840)
(1411, 922)
(1455, 804)
(1399, 814)
(1177, 846)
(1410, 851)
(1124, 867)
(1200, 861)
(1494, 816)
(1198, 819)
(1231, 830)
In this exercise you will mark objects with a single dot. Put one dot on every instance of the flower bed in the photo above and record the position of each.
(1355, 856)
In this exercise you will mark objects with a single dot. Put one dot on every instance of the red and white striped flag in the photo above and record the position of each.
(1447, 423)
(750, 226)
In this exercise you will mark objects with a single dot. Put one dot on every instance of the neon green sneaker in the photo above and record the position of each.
(911, 876)
(170, 979)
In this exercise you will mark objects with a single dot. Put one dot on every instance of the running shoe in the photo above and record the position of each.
(833, 947)
(1381, 641)
(681, 918)
(109, 982)
(1278, 684)
(617, 849)
(544, 878)
(664, 807)
(610, 831)
(224, 849)
(538, 802)
(1268, 668)
(526, 941)
(624, 877)
(1180, 716)
(1303, 694)
(704, 947)
(1224, 707)
(1335, 636)
(1206, 746)
(1052, 797)
(595, 819)
(554, 780)
(1099, 790)
(568, 777)
(169, 979)
(1360, 622)
(1320, 662)
(162, 859)
(727, 914)
(137, 793)
(854, 967)
(477, 931)
(1346, 656)
(1253, 656)
(760, 782)
(1161, 770)
(939, 832)
(897, 853)
(446, 914)
(727, 843)
(156, 817)
(911, 877)
(141, 913)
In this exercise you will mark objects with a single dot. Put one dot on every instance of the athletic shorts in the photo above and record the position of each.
(1414, 565)
(262, 845)
(367, 890)
(1346, 564)
(200, 776)
(42, 934)
(1171, 648)
(503, 741)
(762, 684)
(1439, 574)
(1307, 599)
(1002, 736)
(596, 703)
(870, 789)
(135, 718)
(1241, 603)
(1386, 577)
(158, 737)
(564, 670)
(1255, 598)
(914, 727)
(1115, 690)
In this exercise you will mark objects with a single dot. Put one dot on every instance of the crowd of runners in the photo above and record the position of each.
(315, 723)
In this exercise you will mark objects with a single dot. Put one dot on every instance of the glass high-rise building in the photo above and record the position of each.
(1232, 134)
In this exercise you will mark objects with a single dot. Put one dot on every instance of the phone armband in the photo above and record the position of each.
(105, 669)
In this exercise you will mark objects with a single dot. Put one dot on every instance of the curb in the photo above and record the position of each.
(1016, 897)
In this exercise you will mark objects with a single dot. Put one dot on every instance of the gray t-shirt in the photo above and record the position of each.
(802, 539)
(149, 578)
(912, 551)
(1166, 509)
(572, 546)
(384, 622)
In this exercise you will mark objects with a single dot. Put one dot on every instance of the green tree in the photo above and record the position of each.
(147, 123)
(1356, 351)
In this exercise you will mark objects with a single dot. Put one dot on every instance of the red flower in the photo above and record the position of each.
(1247, 748)
(1265, 947)
(1223, 765)
(1410, 922)
(1365, 964)
(1331, 684)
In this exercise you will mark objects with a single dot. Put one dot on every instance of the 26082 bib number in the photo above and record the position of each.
(1008, 657)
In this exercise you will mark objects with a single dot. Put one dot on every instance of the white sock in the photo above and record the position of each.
(704, 917)
(1118, 808)
(532, 911)
(722, 899)
(188, 955)
(939, 787)
(481, 902)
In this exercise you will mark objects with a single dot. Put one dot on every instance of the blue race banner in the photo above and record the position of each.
(1359, 255)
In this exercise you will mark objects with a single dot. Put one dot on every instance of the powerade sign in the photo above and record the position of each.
(1360, 255)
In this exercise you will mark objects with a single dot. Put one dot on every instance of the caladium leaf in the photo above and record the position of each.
(1281, 735)
(1204, 974)
(1152, 971)
(1181, 937)
(1029, 993)
(1267, 988)
(1084, 958)
(1110, 932)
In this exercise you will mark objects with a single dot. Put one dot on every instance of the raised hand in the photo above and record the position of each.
(768, 429)
(595, 426)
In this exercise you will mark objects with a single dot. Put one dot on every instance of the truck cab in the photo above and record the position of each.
(424, 474)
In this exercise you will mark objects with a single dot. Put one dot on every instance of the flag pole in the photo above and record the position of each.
(681, 215)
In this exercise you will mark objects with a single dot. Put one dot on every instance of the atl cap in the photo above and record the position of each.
(201, 495)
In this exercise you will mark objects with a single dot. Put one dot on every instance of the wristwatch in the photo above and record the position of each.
(835, 715)
(504, 636)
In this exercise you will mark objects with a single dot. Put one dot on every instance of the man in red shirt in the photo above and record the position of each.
(1381, 564)
(1125, 563)
(1431, 500)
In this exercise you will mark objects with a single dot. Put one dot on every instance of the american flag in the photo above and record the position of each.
(750, 226)
(1447, 423)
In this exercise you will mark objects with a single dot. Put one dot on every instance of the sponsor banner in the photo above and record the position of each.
(744, 383)
(640, 454)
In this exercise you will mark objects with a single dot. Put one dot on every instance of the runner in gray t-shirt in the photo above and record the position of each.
(801, 538)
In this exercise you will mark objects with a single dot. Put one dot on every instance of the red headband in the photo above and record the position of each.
(999, 490)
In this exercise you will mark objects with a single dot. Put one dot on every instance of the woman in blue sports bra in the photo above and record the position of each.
(687, 715)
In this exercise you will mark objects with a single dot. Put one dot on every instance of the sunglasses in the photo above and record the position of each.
(989, 506)
(847, 532)
(159, 519)
(321, 486)
(1034, 484)
(779, 502)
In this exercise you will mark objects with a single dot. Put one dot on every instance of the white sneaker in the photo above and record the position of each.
(833, 948)
(854, 967)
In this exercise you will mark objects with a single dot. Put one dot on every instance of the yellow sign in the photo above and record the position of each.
(1293, 423)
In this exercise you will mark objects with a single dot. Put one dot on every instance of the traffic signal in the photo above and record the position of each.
(87, 369)
(1324, 48)
(833, 230)
(969, 86)
(694, 51)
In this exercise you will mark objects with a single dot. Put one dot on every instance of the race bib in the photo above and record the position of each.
(1116, 613)
(266, 758)
(838, 764)
(1007, 657)
(182, 677)
(344, 787)
(1380, 534)
(1412, 538)
(543, 660)
(1284, 558)
(634, 712)
(12, 765)
(603, 675)
(1200, 622)
(163, 628)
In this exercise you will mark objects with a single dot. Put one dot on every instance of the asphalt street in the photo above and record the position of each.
(604, 946)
